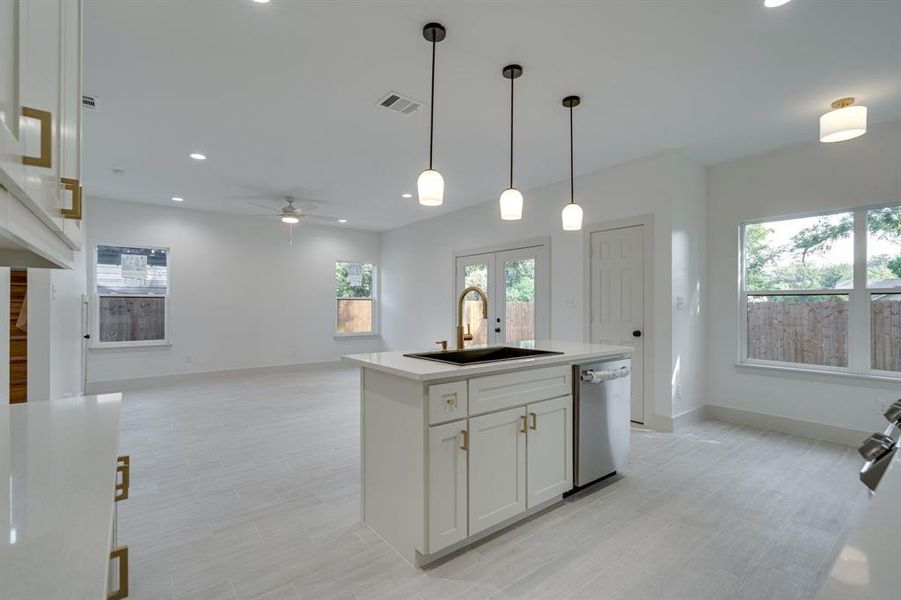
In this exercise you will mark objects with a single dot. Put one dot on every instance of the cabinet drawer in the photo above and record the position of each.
(447, 401)
(494, 392)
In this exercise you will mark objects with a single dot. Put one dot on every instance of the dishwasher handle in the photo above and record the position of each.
(602, 375)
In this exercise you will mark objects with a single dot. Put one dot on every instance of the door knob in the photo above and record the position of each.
(497, 330)
(636, 333)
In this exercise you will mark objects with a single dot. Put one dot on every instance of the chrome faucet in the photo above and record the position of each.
(465, 337)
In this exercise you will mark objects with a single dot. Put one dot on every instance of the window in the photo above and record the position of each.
(810, 285)
(355, 294)
(132, 292)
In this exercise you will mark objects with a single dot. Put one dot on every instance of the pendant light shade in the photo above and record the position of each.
(572, 217)
(430, 183)
(572, 212)
(844, 122)
(431, 188)
(511, 204)
(511, 198)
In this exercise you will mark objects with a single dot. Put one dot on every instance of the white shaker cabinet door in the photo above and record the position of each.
(447, 485)
(13, 14)
(497, 468)
(550, 449)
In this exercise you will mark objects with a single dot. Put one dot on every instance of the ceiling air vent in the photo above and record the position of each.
(89, 101)
(399, 103)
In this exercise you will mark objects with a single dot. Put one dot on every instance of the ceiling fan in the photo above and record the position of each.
(292, 214)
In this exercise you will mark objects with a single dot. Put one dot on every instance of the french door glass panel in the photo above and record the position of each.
(516, 283)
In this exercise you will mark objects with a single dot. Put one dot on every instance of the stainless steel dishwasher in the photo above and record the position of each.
(602, 403)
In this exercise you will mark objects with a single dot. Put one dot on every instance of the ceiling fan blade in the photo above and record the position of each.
(320, 218)
(266, 206)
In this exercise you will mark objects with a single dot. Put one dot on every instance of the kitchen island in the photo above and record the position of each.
(453, 453)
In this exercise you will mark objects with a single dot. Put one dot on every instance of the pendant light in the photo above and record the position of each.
(572, 212)
(844, 122)
(511, 198)
(430, 183)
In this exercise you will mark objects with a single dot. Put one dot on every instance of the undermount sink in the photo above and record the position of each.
(480, 355)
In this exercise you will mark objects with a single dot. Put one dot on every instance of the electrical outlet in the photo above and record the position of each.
(189, 359)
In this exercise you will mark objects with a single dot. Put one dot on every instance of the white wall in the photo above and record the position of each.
(810, 177)
(417, 259)
(241, 297)
(689, 285)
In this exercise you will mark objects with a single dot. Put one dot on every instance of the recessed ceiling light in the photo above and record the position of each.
(261, 1)
(342, 220)
(177, 199)
(775, 3)
(197, 156)
(406, 195)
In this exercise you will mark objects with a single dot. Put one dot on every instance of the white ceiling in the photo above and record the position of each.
(282, 96)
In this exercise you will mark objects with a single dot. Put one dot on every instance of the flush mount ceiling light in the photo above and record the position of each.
(572, 212)
(177, 199)
(511, 198)
(846, 121)
(197, 156)
(775, 3)
(430, 183)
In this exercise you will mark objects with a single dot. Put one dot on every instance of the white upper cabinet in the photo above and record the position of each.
(40, 132)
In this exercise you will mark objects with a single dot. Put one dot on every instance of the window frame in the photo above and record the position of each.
(376, 321)
(96, 344)
(859, 301)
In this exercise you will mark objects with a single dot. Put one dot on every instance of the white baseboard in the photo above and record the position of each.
(817, 431)
(690, 417)
(101, 387)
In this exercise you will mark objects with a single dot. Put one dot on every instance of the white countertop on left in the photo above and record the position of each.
(57, 480)
(426, 370)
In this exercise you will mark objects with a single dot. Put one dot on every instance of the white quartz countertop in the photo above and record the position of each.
(57, 479)
(427, 370)
(869, 565)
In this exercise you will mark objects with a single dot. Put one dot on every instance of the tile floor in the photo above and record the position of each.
(247, 486)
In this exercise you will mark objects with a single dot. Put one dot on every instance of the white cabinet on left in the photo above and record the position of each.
(40, 132)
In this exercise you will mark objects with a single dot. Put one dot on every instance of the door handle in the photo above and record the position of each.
(534, 425)
(465, 445)
(75, 187)
(636, 333)
(46, 120)
(497, 330)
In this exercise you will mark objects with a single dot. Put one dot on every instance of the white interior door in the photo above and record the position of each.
(517, 283)
(617, 299)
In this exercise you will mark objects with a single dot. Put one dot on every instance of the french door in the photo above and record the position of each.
(516, 282)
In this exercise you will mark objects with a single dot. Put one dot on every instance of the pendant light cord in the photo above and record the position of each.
(432, 101)
(511, 131)
(572, 177)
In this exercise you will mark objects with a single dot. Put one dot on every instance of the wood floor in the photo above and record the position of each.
(247, 486)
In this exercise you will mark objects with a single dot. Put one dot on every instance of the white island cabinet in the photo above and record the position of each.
(451, 454)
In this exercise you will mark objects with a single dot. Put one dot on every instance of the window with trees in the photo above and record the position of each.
(824, 291)
(355, 295)
(131, 295)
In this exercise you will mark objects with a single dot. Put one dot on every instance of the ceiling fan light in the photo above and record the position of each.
(572, 217)
(290, 220)
(511, 204)
(841, 124)
(431, 188)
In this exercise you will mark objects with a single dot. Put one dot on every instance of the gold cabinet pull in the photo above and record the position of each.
(73, 186)
(465, 445)
(522, 429)
(534, 425)
(121, 553)
(46, 120)
(123, 466)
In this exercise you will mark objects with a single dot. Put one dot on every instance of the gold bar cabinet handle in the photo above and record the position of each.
(123, 466)
(73, 186)
(121, 553)
(522, 428)
(465, 445)
(534, 425)
(46, 120)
